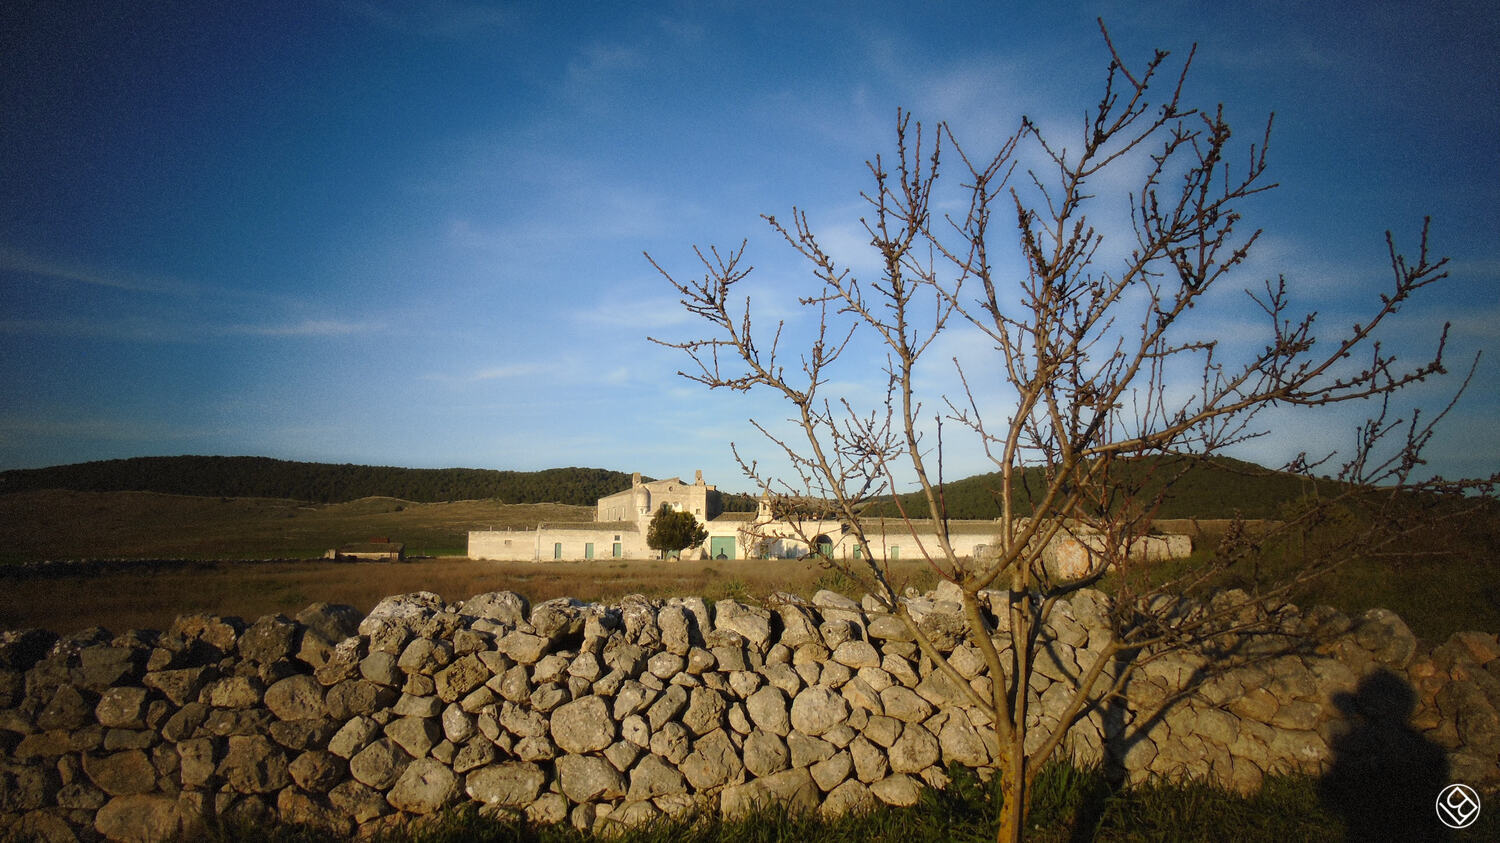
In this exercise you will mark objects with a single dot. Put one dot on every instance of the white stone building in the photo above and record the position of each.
(618, 531)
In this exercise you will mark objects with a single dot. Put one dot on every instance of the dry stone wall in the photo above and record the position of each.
(595, 714)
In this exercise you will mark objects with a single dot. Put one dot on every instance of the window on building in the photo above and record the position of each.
(895, 551)
(557, 550)
(588, 550)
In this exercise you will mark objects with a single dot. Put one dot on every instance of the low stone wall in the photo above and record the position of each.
(599, 714)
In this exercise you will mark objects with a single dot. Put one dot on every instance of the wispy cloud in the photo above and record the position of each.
(13, 260)
(649, 312)
(308, 328)
(148, 329)
(506, 371)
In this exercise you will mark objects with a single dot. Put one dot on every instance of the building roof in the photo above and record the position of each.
(595, 526)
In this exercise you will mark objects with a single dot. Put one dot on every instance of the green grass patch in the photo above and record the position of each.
(1069, 804)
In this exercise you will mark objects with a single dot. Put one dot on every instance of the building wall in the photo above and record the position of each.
(571, 541)
(889, 539)
(642, 500)
(503, 545)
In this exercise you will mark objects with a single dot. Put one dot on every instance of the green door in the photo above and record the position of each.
(721, 547)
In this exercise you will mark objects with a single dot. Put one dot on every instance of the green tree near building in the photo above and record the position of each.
(673, 531)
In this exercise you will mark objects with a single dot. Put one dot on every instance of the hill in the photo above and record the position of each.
(1218, 487)
(262, 477)
(1215, 488)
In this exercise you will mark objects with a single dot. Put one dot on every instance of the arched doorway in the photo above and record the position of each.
(823, 546)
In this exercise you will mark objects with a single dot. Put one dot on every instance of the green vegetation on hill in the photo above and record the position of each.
(262, 477)
(1213, 488)
(1217, 487)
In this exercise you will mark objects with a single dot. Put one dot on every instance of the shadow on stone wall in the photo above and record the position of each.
(1385, 776)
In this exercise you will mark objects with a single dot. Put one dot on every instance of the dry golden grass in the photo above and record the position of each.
(150, 596)
(145, 525)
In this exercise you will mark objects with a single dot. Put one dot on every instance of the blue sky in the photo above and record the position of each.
(411, 233)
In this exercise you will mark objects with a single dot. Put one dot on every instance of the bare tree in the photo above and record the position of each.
(1086, 341)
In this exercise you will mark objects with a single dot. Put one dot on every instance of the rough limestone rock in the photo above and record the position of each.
(589, 778)
(850, 797)
(767, 708)
(380, 764)
(415, 735)
(558, 619)
(676, 623)
(654, 777)
(425, 786)
(270, 639)
(899, 790)
(253, 764)
(705, 711)
(121, 773)
(817, 709)
(395, 620)
(142, 817)
(324, 626)
(511, 783)
(295, 698)
(915, 750)
(121, 708)
(764, 754)
(750, 622)
(317, 771)
(583, 726)
(714, 761)
(1387, 637)
(506, 607)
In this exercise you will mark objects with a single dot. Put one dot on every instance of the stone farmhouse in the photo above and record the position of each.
(618, 531)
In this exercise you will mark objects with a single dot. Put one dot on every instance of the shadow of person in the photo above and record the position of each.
(1385, 777)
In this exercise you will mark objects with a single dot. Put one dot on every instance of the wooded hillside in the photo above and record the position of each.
(262, 477)
(1214, 488)
(1217, 488)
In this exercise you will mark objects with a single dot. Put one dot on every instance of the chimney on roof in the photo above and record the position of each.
(635, 479)
(698, 477)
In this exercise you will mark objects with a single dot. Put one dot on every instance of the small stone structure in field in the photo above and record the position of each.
(595, 714)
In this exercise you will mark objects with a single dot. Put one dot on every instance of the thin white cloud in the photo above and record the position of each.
(308, 328)
(149, 329)
(645, 314)
(13, 260)
(506, 371)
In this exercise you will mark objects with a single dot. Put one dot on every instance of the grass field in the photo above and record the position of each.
(150, 595)
(1453, 585)
(144, 525)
